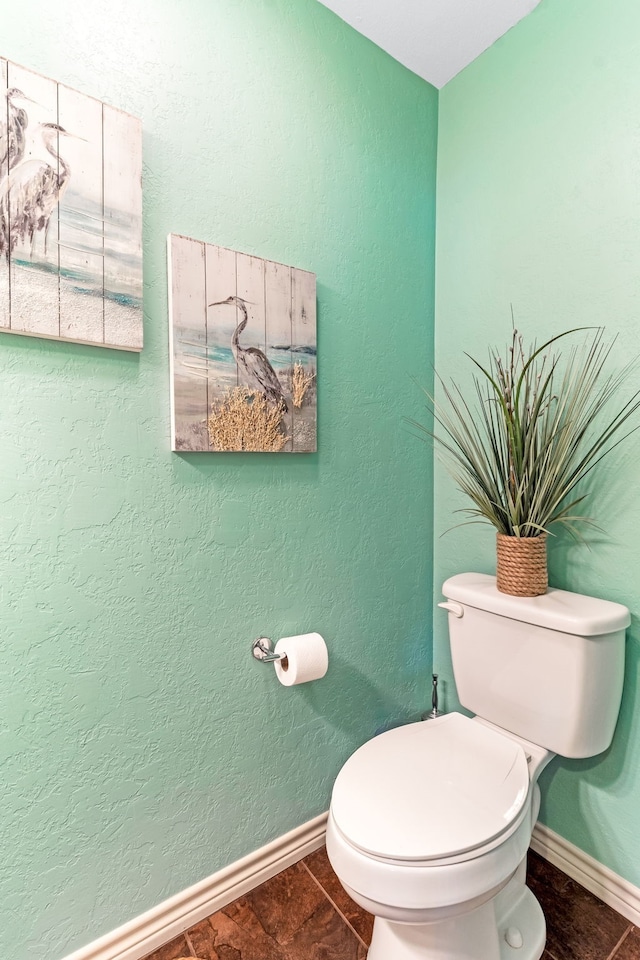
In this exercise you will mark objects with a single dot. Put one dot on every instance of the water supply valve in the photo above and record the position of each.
(434, 712)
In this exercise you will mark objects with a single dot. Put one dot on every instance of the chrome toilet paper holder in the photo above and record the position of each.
(261, 650)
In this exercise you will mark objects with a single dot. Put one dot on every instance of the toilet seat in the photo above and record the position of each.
(431, 791)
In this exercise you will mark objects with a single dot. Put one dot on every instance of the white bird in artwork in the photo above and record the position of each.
(31, 191)
(13, 125)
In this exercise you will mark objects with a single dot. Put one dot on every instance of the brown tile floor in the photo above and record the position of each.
(304, 914)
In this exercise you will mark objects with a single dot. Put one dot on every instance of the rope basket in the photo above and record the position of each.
(522, 565)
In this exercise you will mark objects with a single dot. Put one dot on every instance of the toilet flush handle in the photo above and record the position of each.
(455, 608)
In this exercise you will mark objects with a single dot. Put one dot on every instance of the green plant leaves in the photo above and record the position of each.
(536, 425)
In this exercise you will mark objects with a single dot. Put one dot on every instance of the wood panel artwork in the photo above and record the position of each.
(70, 214)
(243, 351)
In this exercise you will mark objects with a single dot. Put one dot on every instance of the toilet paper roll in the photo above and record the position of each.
(307, 659)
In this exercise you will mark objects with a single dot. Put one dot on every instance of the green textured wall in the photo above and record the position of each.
(539, 208)
(142, 749)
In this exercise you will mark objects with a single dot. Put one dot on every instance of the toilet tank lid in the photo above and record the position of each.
(556, 609)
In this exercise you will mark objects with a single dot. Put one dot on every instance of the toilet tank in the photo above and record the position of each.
(549, 669)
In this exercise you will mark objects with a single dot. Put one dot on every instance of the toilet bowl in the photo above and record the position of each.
(430, 823)
(451, 808)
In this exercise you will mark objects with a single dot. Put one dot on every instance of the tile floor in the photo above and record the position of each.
(304, 914)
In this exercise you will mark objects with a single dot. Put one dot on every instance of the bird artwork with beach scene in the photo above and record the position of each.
(70, 214)
(243, 351)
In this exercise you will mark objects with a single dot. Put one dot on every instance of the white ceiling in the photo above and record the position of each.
(434, 38)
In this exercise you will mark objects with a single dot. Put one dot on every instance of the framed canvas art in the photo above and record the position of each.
(243, 351)
(70, 214)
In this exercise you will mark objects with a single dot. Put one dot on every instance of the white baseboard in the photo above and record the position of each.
(600, 880)
(169, 919)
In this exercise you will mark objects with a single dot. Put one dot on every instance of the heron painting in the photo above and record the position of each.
(243, 351)
(70, 214)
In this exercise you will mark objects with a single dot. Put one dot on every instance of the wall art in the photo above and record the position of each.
(243, 351)
(70, 214)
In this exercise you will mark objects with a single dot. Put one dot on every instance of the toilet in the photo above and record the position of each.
(430, 823)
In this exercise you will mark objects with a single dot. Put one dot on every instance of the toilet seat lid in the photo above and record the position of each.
(430, 790)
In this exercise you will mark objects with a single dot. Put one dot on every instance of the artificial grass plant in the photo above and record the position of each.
(537, 424)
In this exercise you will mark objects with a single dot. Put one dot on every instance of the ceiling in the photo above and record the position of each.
(434, 38)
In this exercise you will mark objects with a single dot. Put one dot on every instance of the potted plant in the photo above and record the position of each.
(537, 424)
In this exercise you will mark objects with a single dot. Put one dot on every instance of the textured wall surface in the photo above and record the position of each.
(142, 748)
(539, 208)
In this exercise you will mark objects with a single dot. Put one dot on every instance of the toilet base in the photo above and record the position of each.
(480, 934)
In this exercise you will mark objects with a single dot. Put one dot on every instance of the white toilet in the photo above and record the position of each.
(430, 823)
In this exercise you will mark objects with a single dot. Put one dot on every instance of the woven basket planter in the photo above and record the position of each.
(522, 565)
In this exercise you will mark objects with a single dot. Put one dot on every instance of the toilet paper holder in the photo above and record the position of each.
(261, 650)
